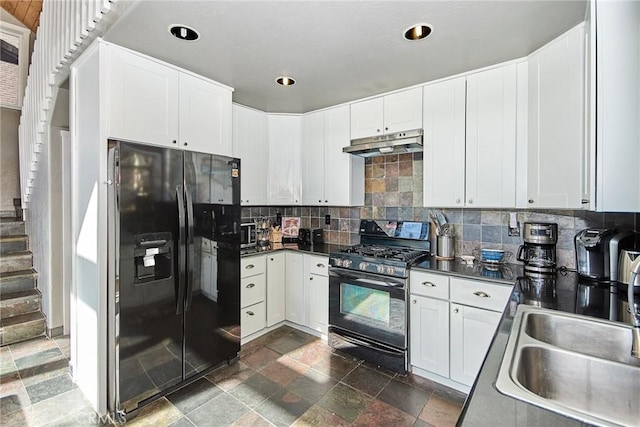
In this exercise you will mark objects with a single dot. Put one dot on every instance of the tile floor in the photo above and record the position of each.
(283, 378)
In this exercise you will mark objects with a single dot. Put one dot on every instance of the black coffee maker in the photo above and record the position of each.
(538, 253)
(593, 253)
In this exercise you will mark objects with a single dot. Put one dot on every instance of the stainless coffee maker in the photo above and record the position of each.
(538, 253)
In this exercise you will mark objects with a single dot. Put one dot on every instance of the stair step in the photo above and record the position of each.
(16, 261)
(18, 303)
(10, 244)
(11, 227)
(15, 281)
(21, 328)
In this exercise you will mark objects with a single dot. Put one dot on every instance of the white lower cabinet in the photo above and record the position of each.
(429, 346)
(276, 288)
(295, 311)
(316, 289)
(472, 330)
(252, 295)
(452, 322)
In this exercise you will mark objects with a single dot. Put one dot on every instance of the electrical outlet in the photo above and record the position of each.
(327, 219)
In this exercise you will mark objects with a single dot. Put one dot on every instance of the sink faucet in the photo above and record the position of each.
(635, 317)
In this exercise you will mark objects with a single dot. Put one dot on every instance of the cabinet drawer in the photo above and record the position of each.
(489, 296)
(429, 285)
(253, 318)
(252, 290)
(318, 265)
(253, 265)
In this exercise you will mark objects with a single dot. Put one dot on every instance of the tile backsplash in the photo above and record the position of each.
(393, 191)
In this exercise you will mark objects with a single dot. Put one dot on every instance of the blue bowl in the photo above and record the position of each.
(494, 255)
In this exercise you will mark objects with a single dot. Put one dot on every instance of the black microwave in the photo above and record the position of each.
(247, 235)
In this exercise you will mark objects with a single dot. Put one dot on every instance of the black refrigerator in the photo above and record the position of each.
(173, 269)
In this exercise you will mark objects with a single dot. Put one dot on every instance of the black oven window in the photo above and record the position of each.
(364, 302)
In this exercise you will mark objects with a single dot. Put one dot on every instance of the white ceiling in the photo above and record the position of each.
(338, 51)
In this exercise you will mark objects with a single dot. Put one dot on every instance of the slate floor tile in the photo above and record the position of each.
(440, 412)
(255, 390)
(182, 422)
(195, 394)
(380, 414)
(312, 385)
(228, 377)
(251, 419)
(49, 388)
(158, 413)
(311, 353)
(38, 359)
(366, 380)
(283, 408)
(317, 416)
(36, 374)
(402, 396)
(281, 372)
(260, 358)
(289, 342)
(222, 410)
(345, 401)
(335, 366)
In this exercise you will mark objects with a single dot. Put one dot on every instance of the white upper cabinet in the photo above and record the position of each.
(470, 140)
(330, 176)
(205, 116)
(556, 144)
(155, 103)
(444, 143)
(283, 182)
(491, 138)
(616, 90)
(250, 145)
(387, 114)
(143, 98)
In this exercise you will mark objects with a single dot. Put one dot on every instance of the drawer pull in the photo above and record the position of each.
(429, 284)
(250, 313)
(482, 294)
(249, 266)
(310, 278)
(271, 259)
(414, 301)
(455, 310)
(320, 265)
(250, 285)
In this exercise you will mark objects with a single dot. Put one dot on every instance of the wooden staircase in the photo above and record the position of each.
(20, 301)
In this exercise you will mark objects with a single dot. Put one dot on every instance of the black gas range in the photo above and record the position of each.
(368, 291)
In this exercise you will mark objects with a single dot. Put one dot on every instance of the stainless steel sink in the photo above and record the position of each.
(574, 365)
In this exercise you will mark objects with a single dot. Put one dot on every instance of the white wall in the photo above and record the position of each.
(9, 159)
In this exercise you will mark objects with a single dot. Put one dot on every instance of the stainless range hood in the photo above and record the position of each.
(396, 143)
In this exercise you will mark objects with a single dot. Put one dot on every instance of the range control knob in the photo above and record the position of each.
(380, 269)
(390, 271)
(363, 266)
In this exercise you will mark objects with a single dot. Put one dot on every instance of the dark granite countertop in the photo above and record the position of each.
(505, 274)
(485, 405)
(323, 249)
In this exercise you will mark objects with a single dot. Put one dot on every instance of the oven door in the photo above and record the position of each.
(369, 305)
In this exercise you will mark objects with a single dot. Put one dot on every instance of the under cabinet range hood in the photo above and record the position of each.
(396, 143)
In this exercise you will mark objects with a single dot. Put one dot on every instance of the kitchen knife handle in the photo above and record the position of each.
(181, 249)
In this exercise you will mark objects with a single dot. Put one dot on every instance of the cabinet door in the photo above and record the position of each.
(472, 330)
(403, 111)
(205, 116)
(444, 143)
(276, 288)
(344, 173)
(366, 118)
(317, 302)
(143, 99)
(295, 301)
(429, 326)
(313, 155)
(250, 145)
(556, 128)
(284, 184)
(491, 138)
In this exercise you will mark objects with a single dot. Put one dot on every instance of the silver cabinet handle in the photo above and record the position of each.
(320, 265)
(455, 310)
(470, 201)
(482, 294)
(251, 285)
(185, 144)
(457, 200)
(530, 200)
(319, 201)
(310, 278)
(429, 284)
(414, 301)
(250, 313)
(174, 141)
(270, 259)
(249, 266)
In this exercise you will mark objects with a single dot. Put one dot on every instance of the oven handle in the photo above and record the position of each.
(365, 277)
(380, 283)
(356, 341)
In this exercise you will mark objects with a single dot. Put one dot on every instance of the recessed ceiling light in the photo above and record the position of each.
(285, 81)
(183, 32)
(417, 32)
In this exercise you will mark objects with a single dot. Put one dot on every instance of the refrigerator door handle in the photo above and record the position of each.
(190, 247)
(181, 249)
